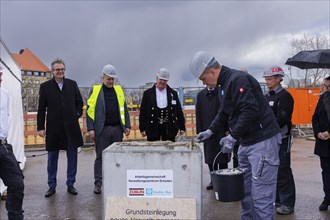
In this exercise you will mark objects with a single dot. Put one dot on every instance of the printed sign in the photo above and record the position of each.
(123, 208)
(150, 183)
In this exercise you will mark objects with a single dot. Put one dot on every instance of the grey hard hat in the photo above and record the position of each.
(110, 71)
(274, 71)
(199, 63)
(163, 74)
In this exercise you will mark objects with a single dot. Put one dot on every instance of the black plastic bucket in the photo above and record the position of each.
(228, 184)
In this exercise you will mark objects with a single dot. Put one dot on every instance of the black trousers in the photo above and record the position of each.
(163, 133)
(325, 165)
(12, 177)
(286, 189)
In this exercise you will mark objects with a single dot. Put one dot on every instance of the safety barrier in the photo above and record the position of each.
(31, 137)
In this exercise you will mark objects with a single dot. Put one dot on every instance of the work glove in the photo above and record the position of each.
(227, 144)
(204, 135)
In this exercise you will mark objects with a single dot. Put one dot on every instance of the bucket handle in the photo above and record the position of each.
(217, 157)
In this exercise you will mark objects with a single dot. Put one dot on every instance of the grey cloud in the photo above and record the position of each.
(139, 37)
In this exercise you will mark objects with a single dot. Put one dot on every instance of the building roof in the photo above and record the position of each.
(27, 61)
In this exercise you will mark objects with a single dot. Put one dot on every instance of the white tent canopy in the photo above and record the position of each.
(12, 83)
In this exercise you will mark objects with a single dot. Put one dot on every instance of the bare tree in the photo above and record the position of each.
(311, 42)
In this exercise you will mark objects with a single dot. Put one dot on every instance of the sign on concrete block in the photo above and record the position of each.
(124, 208)
(150, 183)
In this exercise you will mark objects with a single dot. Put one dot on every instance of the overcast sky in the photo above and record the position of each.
(140, 37)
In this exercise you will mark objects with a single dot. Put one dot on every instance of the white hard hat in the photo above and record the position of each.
(199, 63)
(110, 71)
(274, 71)
(163, 74)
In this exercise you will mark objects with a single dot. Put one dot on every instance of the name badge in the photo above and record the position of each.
(173, 102)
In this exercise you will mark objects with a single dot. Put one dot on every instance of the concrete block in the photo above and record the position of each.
(180, 162)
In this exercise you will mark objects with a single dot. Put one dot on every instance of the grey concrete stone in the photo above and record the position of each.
(182, 158)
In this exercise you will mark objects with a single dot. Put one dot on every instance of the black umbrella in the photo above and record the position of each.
(310, 59)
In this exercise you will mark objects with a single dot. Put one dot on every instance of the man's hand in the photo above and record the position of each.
(227, 144)
(204, 135)
(143, 133)
(127, 132)
(91, 134)
(181, 132)
(41, 133)
(323, 135)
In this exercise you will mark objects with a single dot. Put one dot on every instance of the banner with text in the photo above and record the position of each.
(150, 183)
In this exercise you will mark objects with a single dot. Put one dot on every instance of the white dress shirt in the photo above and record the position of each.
(161, 97)
(4, 113)
(60, 85)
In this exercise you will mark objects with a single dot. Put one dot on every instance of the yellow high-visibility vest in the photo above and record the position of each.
(91, 102)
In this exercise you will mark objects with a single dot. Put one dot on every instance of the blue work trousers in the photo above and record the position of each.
(72, 160)
(12, 177)
(260, 163)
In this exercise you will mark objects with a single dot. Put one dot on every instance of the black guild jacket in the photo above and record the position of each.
(148, 119)
(320, 122)
(63, 111)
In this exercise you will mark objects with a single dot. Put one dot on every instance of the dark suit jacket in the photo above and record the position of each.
(207, 106)
(148, 118)
(321, 123)
(63, 111)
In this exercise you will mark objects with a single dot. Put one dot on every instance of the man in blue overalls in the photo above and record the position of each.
(252, 122)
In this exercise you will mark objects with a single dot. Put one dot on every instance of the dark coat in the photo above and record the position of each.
(321, 123)
(326, 101)
(207, 107)
(148, 119)
(250, 118)
(63, 111)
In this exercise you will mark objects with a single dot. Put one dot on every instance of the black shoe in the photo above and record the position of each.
(97, 190)
(50, 192)
(72, 190)
(210, 186)
(324, 205)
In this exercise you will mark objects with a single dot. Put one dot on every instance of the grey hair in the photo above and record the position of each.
(57, 60)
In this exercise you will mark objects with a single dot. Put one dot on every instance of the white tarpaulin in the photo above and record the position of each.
(12, 83)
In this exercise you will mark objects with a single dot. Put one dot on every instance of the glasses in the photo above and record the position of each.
(60, 69)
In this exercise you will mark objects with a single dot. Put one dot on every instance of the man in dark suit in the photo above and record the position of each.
(61, 99)
(207, 106)
(161, 116)
(321, 128)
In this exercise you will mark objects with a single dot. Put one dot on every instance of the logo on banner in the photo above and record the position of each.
(149, 192)
(136, 191)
